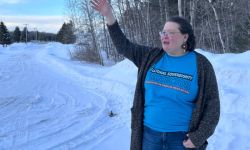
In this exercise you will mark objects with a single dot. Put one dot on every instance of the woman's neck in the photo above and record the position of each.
(176, 52)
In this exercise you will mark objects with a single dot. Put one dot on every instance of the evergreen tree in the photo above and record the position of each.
(66, 33)
(69, 36)
(25, 33)
(17, 35)
(60, 34)
(5, 38)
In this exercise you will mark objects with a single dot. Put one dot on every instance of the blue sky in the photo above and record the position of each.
(44, 15)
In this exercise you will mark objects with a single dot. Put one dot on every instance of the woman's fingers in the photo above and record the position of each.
(98, 4)
(103, 2)
(95, 1)
(103, 7)
(188, 143)
(94, 4)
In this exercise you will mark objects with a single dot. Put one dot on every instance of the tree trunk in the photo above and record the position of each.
(218, 27)
(180, 8)
(161, 11)
(93, 34)
(192, 12)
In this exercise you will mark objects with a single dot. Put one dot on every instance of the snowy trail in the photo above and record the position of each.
(43, 112)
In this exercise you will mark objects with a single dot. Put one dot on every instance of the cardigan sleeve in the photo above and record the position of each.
(211, 111)
(132, 51)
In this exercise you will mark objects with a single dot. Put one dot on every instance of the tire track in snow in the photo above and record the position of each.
(96, 87)
(59, 120)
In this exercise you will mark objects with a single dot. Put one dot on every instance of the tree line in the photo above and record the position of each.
(220, 26)
(65, 35)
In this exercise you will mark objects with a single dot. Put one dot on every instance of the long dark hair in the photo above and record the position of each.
(185, 28)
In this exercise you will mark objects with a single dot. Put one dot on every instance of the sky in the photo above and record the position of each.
(41, 15)
(49, 101)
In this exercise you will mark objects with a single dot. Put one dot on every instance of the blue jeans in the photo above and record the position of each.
(154, 140)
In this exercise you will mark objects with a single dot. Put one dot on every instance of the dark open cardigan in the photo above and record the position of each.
(206, 113)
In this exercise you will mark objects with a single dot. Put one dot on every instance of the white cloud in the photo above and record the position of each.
(50, 24)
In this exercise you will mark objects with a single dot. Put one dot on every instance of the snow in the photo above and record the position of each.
(48, 101)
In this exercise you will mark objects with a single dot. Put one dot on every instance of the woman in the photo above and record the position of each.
(176, 102)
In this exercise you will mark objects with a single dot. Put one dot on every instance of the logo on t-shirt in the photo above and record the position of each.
(173, 80)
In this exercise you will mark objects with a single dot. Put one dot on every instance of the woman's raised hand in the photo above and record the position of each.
(102, 6)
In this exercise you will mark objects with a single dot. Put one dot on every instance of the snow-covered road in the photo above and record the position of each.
(47, 104)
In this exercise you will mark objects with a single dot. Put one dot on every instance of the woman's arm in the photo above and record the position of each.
(211, 111)
(132, 51)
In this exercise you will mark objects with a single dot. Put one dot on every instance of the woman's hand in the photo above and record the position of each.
(103, 7)
(188, 143)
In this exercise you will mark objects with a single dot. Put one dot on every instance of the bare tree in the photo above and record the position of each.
(218, 25)
(193, 4)
(82, 17)
(180, 7)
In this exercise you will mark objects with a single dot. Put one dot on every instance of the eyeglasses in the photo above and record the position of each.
(169, 34)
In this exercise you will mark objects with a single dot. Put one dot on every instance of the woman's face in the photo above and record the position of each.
(172, 38)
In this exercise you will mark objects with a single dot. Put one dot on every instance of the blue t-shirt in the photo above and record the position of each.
(171, 86)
